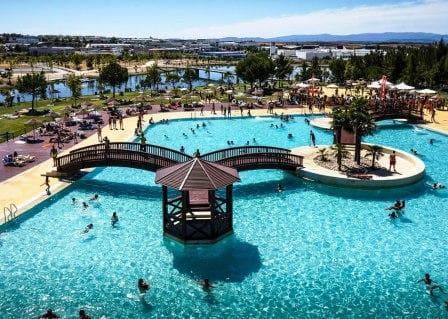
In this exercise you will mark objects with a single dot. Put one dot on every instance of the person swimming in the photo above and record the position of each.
(85, 205)
(87, 229)
(185, 135)
(74, 201)
(393, 215)
(437, 186)
(203, 124)
(143, 286)
(166, 136)
(182, 149)
(83, 315)
(280, 188)
(94, 197)
(431, 141)
(206, 285)
(254, 140)
(247, 143)
(290, 136)
(430, 284)
(414, 151)
(49, 315)
(399, 205)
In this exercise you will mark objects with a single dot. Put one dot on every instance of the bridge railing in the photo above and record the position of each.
(92, 158)
(242, 150)
(137, 147)
(268, 159)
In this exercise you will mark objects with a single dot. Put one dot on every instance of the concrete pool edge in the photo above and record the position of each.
(326, 176)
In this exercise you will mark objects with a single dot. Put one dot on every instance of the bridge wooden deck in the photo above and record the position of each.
(153, 157)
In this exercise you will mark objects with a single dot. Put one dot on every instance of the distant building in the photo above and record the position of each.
(223, 54)
(312, 54)
(51, 50)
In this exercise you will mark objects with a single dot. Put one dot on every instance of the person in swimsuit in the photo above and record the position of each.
(87, 229)
(114, 219)
(430, 284)
(49, 314)
(392, 161)
(142, 286)
(83, 315)
(206, 285)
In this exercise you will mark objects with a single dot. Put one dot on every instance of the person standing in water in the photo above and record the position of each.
(143, 286)
(312, 138)
(114, 219)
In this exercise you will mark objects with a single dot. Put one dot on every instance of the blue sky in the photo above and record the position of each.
(210, 18)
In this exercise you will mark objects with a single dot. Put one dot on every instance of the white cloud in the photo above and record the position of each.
(421, 16)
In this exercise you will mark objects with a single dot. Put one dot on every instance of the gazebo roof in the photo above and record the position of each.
(197, 174)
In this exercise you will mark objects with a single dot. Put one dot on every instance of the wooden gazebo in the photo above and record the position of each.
(201, 209)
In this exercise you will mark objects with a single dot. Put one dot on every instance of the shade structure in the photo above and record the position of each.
(302, 85)
(313, 80)
(197, 174)
(403, 87)
(374, 85)
(332, 86)
(426, 92)
(229, 91)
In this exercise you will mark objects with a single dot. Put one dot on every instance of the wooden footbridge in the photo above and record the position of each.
(153, 157)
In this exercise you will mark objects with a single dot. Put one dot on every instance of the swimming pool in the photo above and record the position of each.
(313, 251)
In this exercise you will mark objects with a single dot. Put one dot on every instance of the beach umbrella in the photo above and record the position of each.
(183, 89)
(426, 92)
(313, 80)
(211, 85)
(303, 85)
(374, 85)
(403, 87)
(229, 91)
(332, 86)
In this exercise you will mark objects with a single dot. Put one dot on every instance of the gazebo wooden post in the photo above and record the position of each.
(165, 206)
(212, 202)
(229, 205)
(185, 209)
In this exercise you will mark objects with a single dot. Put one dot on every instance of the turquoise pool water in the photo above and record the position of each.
(313, 251)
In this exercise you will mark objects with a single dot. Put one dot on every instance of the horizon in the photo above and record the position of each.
(250, 19)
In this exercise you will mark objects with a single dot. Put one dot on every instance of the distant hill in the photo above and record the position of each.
(401, 37)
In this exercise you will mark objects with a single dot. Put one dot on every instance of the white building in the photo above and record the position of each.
(311, 54)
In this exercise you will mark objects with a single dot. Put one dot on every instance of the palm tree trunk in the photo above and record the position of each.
(113, 90)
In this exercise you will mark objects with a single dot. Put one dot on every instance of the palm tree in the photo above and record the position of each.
(354, 118)
(375, 151)
(34, 84)
(340, 152)
(153, 77)
(361, 123)
(114, 75)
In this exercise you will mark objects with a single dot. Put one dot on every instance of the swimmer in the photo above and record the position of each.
(197, 126)
(290, 136)
(142, 286)
(49, 314)
(430, 284)
(414, 151)
(74, 201)
(182, 149)
(203, 124)
(437, 186)
(94, 197)
(185, 135)
(83, 315)
(247, 143)
(280, 188)
(272, 125)
(114, 219)
(84, 205)
(393, 215)
(206, 285)
(254, 140)
(228, 142)
(431, 141)
(281, 125)
(232, 143)
(87, 229)
(307, 121)
(166, 136)
(399, 205)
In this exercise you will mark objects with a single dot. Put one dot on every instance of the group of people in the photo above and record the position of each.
(114, 219)
(397, 209)
(50, 314)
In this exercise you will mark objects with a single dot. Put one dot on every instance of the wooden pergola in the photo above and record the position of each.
(201, 209)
